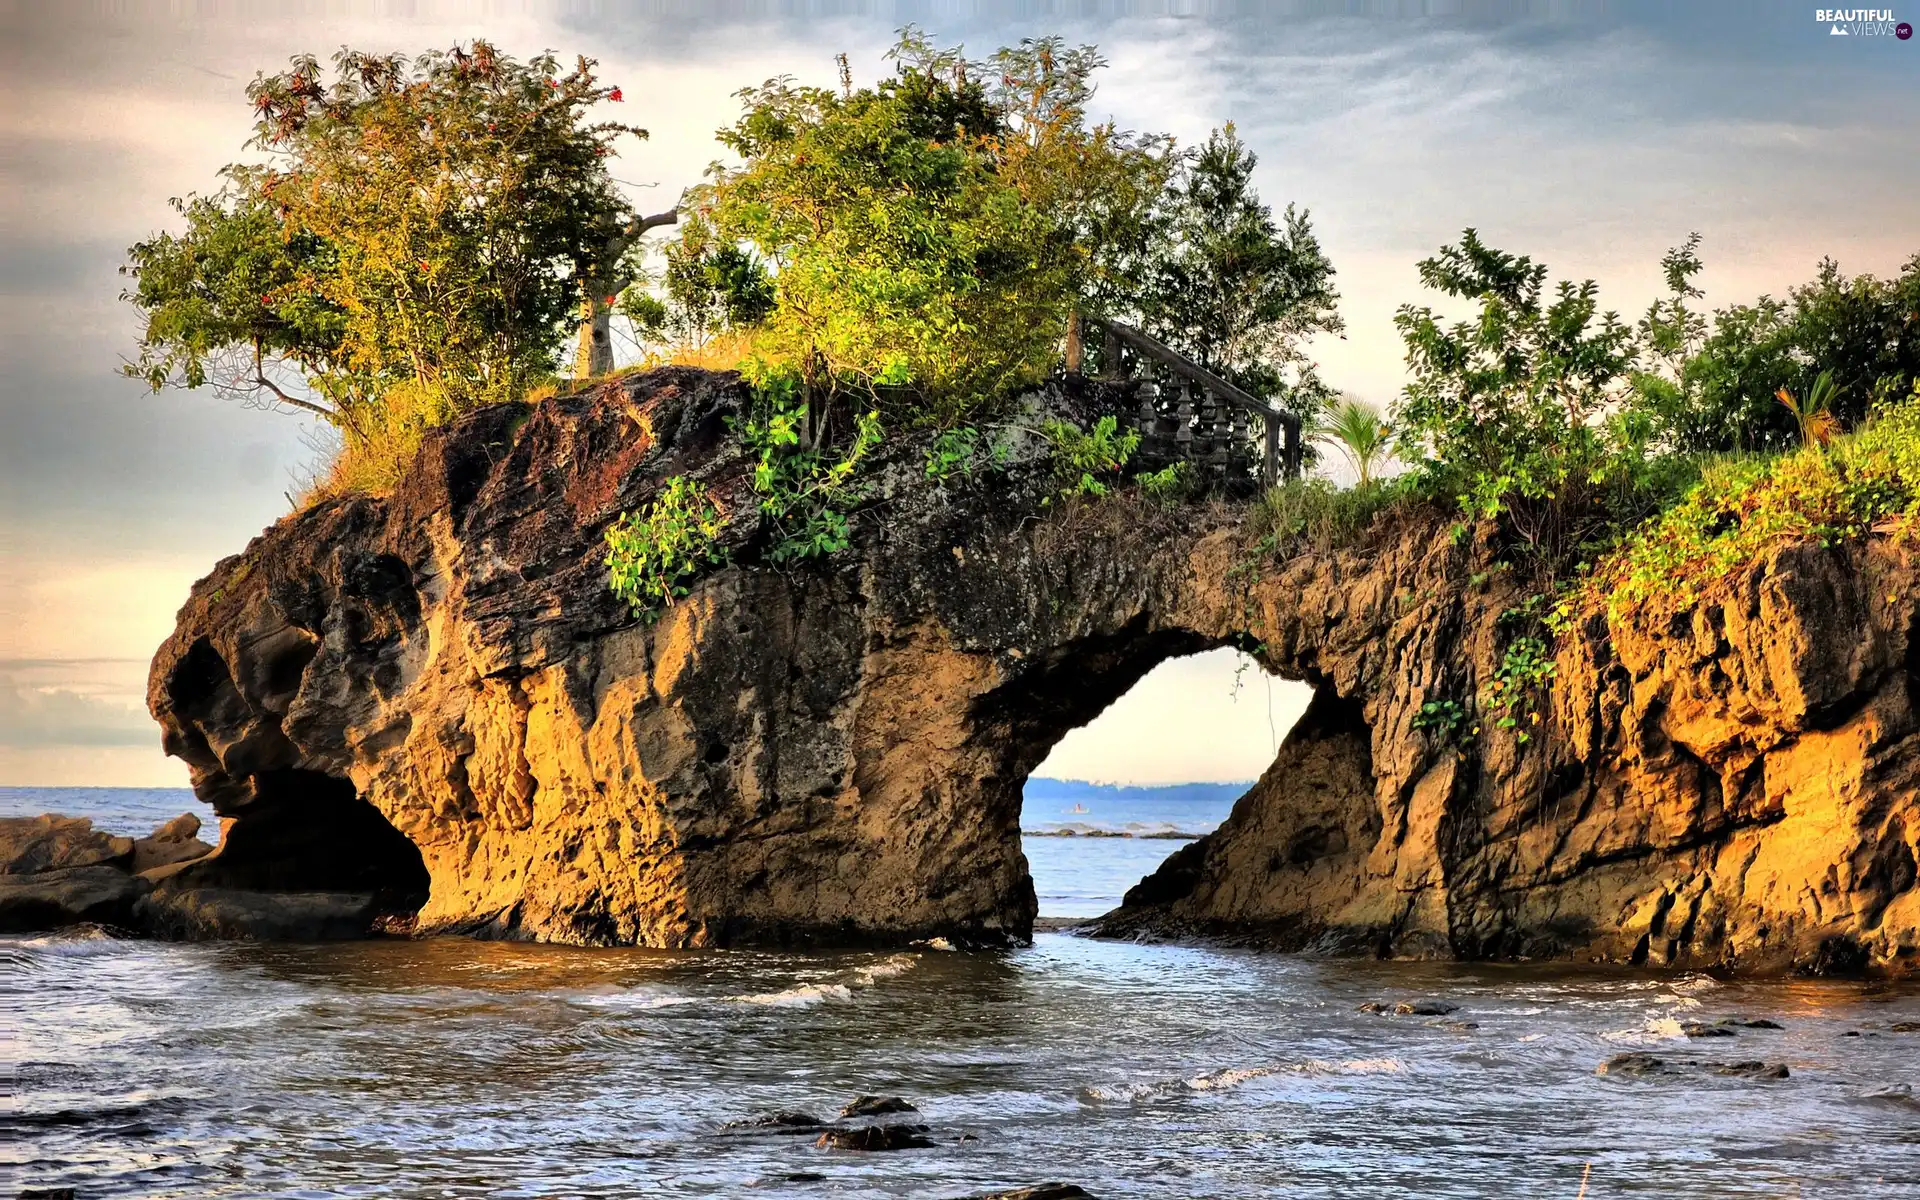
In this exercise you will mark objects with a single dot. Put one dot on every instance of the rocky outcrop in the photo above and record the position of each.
(57, 871)
(434, 700)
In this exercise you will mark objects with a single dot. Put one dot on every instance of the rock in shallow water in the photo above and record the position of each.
(79, 896)
(874, 1106)
(447, 666)
(876, 1138)
(1043, 1191)
(774, 1122)
(225, 914)
(1638, 1063)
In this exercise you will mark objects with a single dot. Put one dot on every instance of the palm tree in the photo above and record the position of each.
(1358, 431)
(1818, 425)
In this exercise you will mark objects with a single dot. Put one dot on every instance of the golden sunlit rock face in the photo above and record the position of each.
(835, 752)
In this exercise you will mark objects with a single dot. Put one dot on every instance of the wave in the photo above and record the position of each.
(1227, 1078)
(1655, 1030)
(76, 941)
(1132, 829)
(804, 995)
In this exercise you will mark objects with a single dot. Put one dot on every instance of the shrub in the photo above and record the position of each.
(1171, 485)
(653, 554)
(806, 492)
(1082, 458)
(1316, 513)
(1742, 507)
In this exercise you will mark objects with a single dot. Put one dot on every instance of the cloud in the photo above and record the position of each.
(38, 716)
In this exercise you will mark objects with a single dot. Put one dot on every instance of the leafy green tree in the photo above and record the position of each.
(1102, 187)
(445, 223)
(1716, 391)
(1509, 402)
(231, 302)
(712, 285)
(899, 256)
(1233, 288)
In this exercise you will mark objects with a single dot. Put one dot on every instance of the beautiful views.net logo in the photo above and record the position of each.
(1862, 22)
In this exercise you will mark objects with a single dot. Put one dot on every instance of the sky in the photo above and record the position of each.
(1591, 136)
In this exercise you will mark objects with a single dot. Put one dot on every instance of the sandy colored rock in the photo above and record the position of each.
(435, 697)
(29, 845)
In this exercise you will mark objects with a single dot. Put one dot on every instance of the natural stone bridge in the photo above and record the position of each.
(433, 700)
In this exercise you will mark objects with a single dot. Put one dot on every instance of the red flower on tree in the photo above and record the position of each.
(614, 95)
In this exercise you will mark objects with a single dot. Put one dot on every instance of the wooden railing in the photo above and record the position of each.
(1189, 413)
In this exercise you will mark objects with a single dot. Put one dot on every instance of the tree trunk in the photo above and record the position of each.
(594, 355)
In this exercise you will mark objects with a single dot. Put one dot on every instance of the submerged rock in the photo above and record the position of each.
(434, 697)
(1424, 1008)
(1043, 1191)
(873, 1106)
(1698, 1029)
(1642, 1064)
(775, 1122)
(1633, 1063)
(876, 1138)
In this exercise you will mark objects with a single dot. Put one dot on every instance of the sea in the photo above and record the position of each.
(457, 1068)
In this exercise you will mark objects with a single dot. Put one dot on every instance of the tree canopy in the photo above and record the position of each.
(416, 228)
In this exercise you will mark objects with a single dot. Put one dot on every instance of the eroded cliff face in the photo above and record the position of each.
(434, 698)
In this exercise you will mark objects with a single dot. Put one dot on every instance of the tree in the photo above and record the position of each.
(1359, 433)
(900, 258)
(444, 222)
(1716, 391)
(1510, 400)
(1233, 288)
(1102, 187)
(231, 302)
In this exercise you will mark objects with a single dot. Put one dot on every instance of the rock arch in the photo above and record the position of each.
(835, 753)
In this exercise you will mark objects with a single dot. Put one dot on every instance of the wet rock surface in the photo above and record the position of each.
(1640, 1065)
(876, 1138)
(874, 1106)
(1043, 1191)
(433, 698)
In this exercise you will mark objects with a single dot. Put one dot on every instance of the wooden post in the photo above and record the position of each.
(1270, 461)
(1076, 348)
(1292, 458)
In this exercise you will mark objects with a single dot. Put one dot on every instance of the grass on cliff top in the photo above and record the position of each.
(1319, 515)
(1863, 482)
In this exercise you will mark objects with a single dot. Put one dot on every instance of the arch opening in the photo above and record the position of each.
(1150, 748)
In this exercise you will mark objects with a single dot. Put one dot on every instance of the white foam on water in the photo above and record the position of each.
(1656, 1029)
(804, 995)
(79, 942)
(886, 968)
(1229, 1077)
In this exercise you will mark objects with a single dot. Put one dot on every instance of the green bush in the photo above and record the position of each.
(1171, 485)
(1083, 459)
(806, 492)
(653, 554)
(1742, 507)
(1316, 513)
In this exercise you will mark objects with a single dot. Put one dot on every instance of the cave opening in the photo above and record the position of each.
(306, 831)
(1131, 780)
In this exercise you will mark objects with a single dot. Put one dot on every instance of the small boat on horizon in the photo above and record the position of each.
(1078, 808)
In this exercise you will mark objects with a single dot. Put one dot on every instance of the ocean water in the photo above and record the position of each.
(1087, 843)
(453, 1068)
